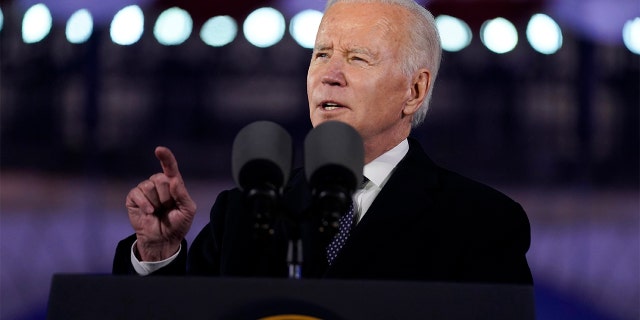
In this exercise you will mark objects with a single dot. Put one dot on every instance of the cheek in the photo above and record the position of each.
(395, 90)
(381, 95)
(311, 82)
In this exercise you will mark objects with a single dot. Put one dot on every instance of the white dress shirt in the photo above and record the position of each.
(377, 172)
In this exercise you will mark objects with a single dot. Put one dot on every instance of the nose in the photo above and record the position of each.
(333, 73)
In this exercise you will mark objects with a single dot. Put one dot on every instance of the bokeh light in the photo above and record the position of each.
(264, 27)
(219, 31)
(631, 35)
(173, 27)
(36, 23)
(544, 34)
(79, 26)
(304, 27)
(499, 35)
(127, 26)
(455, 34)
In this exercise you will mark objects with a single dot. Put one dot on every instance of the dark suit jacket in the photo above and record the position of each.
(426, 224)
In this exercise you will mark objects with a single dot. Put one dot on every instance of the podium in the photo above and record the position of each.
(81, 296)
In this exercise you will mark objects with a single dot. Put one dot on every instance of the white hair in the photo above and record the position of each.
(423, 50)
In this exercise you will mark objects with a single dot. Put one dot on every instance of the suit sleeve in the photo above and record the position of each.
(203, 256)
(497, 252)
(122, 260)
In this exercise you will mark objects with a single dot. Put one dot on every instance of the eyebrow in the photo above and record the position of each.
(362, 51)
(357, 50)
(322, 47)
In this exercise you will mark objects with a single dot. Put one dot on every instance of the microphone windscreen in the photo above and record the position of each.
(262, 153)
(334, 144)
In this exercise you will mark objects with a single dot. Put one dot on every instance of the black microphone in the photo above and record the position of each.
(334, 158)
(261, 163)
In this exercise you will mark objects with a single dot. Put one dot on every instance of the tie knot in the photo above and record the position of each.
(364, 182)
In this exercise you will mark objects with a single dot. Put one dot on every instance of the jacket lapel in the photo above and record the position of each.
(401, 202)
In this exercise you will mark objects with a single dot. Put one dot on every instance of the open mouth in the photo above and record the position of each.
(330, 106)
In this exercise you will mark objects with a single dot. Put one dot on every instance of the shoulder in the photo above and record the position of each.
(481, 212)
(449, 188)
(459, 186)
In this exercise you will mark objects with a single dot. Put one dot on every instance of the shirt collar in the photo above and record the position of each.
(379, 170)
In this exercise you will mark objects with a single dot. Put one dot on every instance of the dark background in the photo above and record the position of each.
(558, 133)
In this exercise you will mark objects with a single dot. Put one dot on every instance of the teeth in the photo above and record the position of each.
(330, 106)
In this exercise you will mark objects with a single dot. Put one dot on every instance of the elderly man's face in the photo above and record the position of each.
(355, 72)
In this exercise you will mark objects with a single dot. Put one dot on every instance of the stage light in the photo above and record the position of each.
(127, 25)
(36, 23)
(455, 34)
(499, 35)
(264, 27)
(79, 26)
(219, 31)
(631, 35)
(544, 34)
(173, 27)
(1, 19)
(304, 26)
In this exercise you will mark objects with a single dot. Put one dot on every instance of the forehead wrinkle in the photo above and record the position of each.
(382, 27)
(385, 25)
(322, 47)
(348, 47)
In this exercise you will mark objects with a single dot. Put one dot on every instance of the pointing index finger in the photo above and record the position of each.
(167, 161)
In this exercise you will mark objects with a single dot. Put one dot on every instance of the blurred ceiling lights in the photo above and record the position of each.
(266, 26)
(173, 27)
(79, 26)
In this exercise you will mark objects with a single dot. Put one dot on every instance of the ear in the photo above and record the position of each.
(419, 88)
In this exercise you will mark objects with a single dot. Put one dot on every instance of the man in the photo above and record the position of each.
(373, 67)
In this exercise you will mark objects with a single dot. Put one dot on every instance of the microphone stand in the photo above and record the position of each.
(263, 200)
(332, 201)
(295, 258)
(264, 204)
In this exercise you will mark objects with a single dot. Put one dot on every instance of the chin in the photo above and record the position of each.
(321, 119)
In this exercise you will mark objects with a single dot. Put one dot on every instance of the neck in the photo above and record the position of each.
(373, 148)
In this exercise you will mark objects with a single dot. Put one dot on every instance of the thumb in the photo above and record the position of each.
(167, 161)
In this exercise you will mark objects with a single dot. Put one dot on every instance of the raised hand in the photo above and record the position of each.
(160, 210)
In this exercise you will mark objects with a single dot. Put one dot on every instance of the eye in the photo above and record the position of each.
(358, 58)
(321, 55)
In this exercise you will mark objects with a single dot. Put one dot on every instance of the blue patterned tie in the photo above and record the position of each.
(344, 229)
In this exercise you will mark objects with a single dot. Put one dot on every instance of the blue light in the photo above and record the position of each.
(264, 27)
(79, 26)
(127, 26)
(499, 35)
(36, 23)
(455, 34)
(304, 27)
(631, 35)
(173, 27)
(219, 31)
(544, 34)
